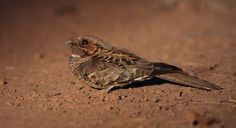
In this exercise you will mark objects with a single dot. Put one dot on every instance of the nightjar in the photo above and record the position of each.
(103, 66)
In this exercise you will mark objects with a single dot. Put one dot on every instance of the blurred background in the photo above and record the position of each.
(197, 35)
(161, 26)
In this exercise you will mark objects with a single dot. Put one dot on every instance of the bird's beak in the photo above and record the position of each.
(70, 41)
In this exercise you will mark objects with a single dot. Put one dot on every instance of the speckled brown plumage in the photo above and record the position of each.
(103, 66)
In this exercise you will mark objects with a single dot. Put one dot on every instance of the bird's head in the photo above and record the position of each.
(87, 46)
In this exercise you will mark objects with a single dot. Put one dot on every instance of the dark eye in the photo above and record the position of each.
(84, 42)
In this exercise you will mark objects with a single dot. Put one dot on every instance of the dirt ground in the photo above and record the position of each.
(37, 88)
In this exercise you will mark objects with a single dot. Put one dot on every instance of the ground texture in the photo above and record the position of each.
(37, 88)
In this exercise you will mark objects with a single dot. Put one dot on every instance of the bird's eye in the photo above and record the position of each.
(84, 42)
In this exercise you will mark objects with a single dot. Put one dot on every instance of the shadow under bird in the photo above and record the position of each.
(103, 66)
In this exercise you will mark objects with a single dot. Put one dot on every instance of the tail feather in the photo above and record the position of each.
(187, 80)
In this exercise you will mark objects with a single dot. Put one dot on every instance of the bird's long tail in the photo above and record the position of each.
(176, 75)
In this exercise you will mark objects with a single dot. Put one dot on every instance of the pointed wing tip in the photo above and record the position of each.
(209, 88)
(215, 87)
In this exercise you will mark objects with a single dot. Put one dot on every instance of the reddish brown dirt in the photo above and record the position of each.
(37, 88)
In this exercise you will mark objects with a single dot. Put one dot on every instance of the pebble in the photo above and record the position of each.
(39, 56)
(2, 82)
(198, 120)
(212, 67)
(109, 108)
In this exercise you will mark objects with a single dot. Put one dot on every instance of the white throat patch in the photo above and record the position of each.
(76, 55)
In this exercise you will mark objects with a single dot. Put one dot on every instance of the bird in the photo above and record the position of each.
(105, 67)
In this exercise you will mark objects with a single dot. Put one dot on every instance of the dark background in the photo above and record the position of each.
(38, 90)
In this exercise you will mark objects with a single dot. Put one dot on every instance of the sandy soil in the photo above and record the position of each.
(37, 88)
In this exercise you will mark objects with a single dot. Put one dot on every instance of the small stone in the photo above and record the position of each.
(18, 105)
(167, 108)
(39, 56)
(157, 100)
(212, 67)
(104, 98)
(109, 107)
(80, 87)
(3, 81)
(123, 96)
(180, 94)
(89, 97)
(196, 119)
